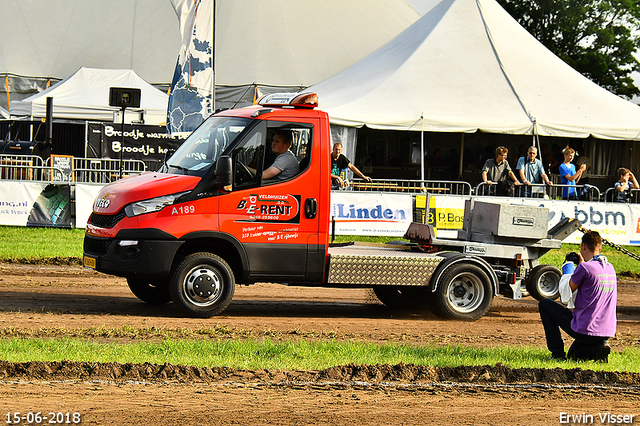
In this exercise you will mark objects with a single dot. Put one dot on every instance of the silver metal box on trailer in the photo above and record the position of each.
(509, 220)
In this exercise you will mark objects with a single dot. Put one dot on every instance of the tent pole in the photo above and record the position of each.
(213, 58)
(422, 155)
(461, 154)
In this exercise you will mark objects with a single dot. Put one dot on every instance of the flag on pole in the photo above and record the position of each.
(190, 100)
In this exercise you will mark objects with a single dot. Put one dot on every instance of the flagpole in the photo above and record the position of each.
(213, 58)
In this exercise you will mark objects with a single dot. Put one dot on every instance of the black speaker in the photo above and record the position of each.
(124, 97)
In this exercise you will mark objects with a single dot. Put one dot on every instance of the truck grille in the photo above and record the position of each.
(98, 246)
(106, 220)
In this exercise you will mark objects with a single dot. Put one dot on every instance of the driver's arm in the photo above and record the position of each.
(271, 172)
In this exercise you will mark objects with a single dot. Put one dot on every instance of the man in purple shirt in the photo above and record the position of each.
(593, 320)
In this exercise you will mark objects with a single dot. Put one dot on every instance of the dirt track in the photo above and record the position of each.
(47, 301)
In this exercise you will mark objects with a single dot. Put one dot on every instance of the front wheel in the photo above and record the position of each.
(202, 285)
(544, 282)
(464, 293)
(151, 292)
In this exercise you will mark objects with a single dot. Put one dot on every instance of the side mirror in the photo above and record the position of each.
(223, 173)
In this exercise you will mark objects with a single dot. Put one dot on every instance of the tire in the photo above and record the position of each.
(202, 285)
(403, 297)
(464, 292)
(151, 292)
(543, 282)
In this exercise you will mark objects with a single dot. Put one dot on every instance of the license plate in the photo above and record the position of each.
(89, 262)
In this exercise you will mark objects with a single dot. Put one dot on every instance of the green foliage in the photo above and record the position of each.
(598, 38)
(294, 355)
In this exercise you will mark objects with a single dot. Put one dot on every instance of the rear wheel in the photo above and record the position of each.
(464, 293)
(544, 282)
(403, 297)
(203, 285)
(151, 292)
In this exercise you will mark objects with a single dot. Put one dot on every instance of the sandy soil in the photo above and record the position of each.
(48, 301)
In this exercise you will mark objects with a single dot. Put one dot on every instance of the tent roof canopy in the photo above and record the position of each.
(85, 96)
(465, 66)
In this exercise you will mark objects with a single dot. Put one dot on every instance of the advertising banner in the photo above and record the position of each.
(16, 200)
(371, 213)
(140, 142)
(35, 204)
(617, 222)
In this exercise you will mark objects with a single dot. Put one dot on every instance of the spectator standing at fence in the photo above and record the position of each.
(569, 175)
(498, 171)
(624, 185)
(340, 163)
(531, 171)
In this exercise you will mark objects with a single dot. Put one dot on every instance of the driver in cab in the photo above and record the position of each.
(285, 165)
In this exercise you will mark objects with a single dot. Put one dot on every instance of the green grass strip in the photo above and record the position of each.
(298, 355)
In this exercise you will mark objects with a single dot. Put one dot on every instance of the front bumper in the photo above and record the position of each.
(145, 254)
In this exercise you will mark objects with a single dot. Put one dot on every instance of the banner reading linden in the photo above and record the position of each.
(371, 214)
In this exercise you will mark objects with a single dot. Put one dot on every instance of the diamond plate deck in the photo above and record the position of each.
(365, 265)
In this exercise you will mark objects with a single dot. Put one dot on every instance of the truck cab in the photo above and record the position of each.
(208, 219)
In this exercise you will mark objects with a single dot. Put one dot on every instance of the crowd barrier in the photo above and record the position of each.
(553, 192)
(31, 195)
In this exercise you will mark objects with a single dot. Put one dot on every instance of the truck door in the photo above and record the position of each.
(275, 219)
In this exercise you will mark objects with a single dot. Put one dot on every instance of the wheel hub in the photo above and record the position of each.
(203, 286)
(465, 293)
(459, 291)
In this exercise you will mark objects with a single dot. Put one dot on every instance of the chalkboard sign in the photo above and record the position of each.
(62, 168)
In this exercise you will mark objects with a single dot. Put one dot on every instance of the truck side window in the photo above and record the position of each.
(300, 149)
(248, 161)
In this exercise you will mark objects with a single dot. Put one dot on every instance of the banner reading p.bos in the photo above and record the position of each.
(371, 214)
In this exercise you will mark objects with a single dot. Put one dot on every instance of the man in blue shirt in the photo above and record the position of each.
(531, 171)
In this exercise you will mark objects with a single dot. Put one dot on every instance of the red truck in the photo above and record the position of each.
(208, 220)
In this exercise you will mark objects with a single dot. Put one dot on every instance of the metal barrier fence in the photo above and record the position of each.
(97, 170)
(411, 186)
(555, 192)
(26, 167)
(84, 170)
(611, 196)
(20, 167)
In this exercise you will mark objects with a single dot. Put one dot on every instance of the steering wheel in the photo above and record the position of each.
(243, 173)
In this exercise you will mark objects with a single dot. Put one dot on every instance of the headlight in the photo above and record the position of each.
(152, 204)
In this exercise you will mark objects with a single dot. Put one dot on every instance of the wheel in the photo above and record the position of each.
(151, 292)
(203, 285)
(403, 297)
(544, 282)
(464, 293)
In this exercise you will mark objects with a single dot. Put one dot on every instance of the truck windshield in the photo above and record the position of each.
(205, 145)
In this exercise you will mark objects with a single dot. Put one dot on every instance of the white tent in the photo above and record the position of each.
(4, 113)
(85, 96)
(466, 65)
(269, 43)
